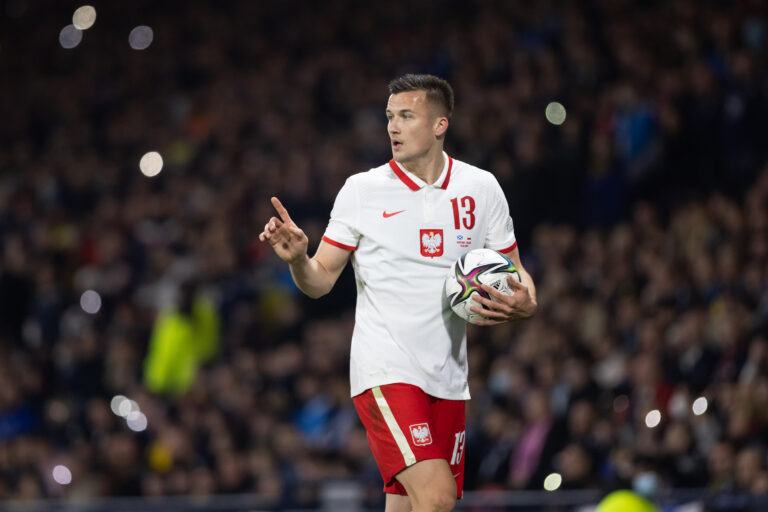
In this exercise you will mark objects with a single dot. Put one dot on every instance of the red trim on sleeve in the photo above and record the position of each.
(338, 244)
(403, 177)
(510, 248)
(448, 174)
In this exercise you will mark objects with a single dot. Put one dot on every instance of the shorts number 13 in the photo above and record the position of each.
(458, 448)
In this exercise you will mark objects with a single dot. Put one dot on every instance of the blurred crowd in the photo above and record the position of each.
(643, 218)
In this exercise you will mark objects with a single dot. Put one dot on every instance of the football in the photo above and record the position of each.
(478, 266)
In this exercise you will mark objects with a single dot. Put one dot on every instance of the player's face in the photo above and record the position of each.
(414, 125)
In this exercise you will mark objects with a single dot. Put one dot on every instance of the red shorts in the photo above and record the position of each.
(406, 425)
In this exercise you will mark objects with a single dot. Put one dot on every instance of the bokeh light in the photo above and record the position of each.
(84, 17)
(555, 113)
(151, 164)
(115, 404)
(137, 421)
(552, 482)
(700, 406)
(653, 418)
(62, 475)
(141, 37)
(90, 301)
(126, 407)
(69, 37)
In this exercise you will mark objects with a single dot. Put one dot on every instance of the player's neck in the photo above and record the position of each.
(428, 168)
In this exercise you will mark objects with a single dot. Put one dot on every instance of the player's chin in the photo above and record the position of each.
(399, 150)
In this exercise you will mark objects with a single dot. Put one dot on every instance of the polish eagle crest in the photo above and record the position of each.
(431, 242)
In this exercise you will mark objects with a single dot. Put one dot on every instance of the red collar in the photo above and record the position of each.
(410, 183)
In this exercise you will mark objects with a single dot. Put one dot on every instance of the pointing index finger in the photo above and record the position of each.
(281, 210)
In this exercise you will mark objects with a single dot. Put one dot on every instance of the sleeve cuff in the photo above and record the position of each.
(338, 244)
(510, 248)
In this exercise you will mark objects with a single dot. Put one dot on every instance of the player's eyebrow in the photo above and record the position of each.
(401, 111)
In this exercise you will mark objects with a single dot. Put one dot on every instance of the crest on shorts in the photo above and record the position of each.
(431, 242)
(420, 434)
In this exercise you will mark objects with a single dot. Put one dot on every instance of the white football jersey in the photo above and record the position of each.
(405, 235)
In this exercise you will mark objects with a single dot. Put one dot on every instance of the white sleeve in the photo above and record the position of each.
(501, 231)
(342, 230)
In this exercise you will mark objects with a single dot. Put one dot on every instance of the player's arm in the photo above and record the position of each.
(521, 304)
(314, 276)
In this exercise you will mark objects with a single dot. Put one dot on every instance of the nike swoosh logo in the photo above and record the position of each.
(388, 215)
(456, 475)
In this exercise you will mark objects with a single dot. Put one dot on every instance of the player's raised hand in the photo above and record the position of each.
(505, 308)
(288, 241)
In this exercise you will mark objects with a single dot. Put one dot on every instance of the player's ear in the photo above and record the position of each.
(441, 125)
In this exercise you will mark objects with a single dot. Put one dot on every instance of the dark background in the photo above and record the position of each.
(642, 218)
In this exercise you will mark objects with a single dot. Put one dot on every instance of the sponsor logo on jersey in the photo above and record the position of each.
(431, 242)
(420, 434)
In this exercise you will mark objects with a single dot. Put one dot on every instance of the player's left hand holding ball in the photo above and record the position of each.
(505, 307)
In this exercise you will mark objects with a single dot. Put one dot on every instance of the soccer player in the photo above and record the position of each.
(403, 224)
